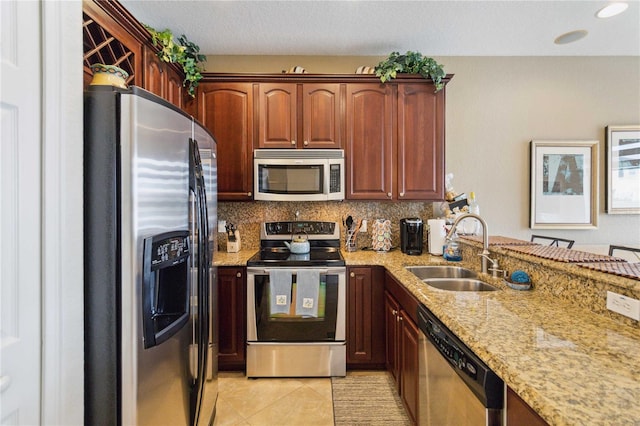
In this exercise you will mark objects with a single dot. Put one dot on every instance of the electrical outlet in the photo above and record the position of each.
(222, 225)
(624, 305)
(363, 226)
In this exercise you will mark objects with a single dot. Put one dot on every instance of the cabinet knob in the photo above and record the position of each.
(400, 318)
(394, 312)
(293, 143)
(352, 275)
(239, 274)
(249, 194)
(389, 194)
(306, 143)
(402, 194)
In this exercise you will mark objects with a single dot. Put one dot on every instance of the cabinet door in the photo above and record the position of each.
(231, 314)
(369, 143)
(365, 319)
(277, 111)
(173, 87)
(153, 73)
(520, 413)
(420, 142)
(161, 79)
(226, 109)
(391, 315)
(409, 371)
(322, 122)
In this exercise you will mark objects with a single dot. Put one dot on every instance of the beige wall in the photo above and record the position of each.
(495, 106)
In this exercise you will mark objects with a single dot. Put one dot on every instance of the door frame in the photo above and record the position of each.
(62, 355)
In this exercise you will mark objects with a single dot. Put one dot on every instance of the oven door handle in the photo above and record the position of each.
(266, 271)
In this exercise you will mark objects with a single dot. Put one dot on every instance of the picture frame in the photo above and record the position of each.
(564, 184)
(623, 170)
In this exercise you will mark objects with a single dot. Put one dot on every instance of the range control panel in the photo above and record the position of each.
(311, 228)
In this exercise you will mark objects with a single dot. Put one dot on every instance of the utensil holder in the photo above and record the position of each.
(351, 240)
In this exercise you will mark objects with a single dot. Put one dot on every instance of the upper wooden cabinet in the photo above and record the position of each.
(112, 36)
(292, 115)
(420, 163)
(369, 144)
(395, 142)
(392, 133)
(161, 78)
(226, 109)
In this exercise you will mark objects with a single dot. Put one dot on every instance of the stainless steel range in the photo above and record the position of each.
(296, 302)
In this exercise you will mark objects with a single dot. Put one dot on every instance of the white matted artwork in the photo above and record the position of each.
(564, 184)
(623, 170)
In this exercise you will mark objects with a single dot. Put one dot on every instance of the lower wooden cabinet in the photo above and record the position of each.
(402, 336)
(231, 317)
(519, 412)
(365, 318)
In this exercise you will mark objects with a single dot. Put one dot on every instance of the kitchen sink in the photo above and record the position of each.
(459, 284)
(441, 271)
(453, 278)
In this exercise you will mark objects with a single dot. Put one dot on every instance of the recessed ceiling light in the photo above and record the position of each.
(612, 9)
(570, 37)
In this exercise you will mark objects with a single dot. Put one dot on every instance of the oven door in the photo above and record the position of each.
(294, 305)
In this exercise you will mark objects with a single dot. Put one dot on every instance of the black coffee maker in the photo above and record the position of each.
(411, 230)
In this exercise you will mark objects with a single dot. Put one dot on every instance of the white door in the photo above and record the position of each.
(20, 215)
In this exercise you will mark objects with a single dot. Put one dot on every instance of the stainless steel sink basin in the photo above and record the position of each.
(440, 271)
(453, 278)
(460, 284)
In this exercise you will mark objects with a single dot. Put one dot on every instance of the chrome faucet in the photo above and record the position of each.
(485, 242)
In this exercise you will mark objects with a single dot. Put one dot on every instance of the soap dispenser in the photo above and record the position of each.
(452, 250)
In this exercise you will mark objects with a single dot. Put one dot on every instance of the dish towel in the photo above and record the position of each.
(280, 291)
(307, 292)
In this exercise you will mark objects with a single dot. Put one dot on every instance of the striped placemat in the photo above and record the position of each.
(625, 269)
(562, 254)
(496, 240)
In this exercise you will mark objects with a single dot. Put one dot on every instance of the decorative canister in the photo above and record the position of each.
(381, 235)
(109, 75)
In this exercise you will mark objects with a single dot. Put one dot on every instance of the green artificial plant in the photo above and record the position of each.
(186, 54)
(411, 63)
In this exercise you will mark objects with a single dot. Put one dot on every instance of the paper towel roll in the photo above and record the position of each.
(437, 232)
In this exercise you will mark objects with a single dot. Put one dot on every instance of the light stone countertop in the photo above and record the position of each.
(572, 366)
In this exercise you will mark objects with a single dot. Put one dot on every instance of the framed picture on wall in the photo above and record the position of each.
(564, 184)
(623, 170)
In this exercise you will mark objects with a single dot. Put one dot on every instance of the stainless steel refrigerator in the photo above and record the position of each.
(150, 218)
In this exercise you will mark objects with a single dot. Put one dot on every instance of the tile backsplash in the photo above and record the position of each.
(249, 215)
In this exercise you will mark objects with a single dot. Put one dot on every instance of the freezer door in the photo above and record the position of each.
(154, 188)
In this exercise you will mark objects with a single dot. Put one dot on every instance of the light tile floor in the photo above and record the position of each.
(273, 401)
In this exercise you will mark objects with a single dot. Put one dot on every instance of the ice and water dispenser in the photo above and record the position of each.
(165, 286)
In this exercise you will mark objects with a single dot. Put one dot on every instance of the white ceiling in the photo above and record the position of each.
(376, 28)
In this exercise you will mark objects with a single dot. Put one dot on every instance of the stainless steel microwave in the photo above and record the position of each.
(298, 174)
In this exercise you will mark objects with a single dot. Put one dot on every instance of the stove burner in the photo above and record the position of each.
(321, 256)
(324, 239)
